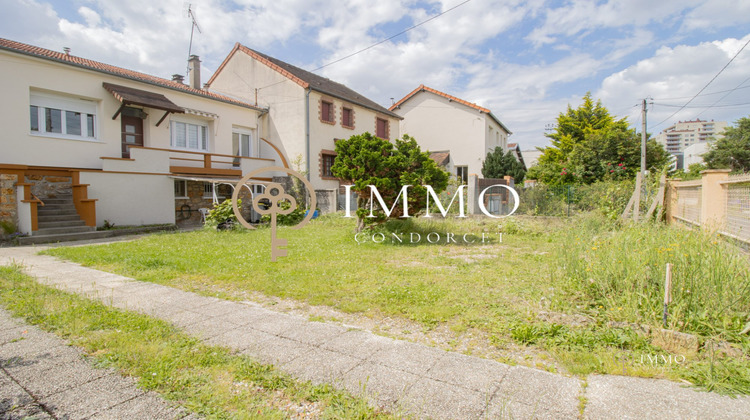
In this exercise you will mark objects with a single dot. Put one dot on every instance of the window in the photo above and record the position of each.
(347, 117)
(326, 112)
(189, 136)
(208, 191)
(381, 128)
(180, 189)
(61, 116)
(462, 173)
(327, 159)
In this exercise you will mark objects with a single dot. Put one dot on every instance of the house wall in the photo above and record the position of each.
(131, 199)
(439, 124)
(323, 135)
(20, 75)
(496, 136)
(285, 123)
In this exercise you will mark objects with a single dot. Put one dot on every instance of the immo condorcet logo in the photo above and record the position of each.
(275, 194)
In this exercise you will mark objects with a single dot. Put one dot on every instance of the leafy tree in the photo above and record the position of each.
(589, 145)
(733, 150)
(365, 160)
(693, 172)
(498, 164)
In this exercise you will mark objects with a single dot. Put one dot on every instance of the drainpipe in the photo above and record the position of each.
(307, 132)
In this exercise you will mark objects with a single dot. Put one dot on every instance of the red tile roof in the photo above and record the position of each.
(43, 53)
(423, 88)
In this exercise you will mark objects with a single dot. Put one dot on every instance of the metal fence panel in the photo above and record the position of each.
(738, 210)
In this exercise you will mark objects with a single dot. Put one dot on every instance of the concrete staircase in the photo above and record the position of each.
(58, 221)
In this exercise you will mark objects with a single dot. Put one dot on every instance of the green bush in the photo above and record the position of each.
(291, 219)
(222, 215)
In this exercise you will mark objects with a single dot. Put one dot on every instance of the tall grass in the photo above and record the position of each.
(619, 275)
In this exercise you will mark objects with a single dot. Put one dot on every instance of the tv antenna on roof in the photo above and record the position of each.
(193, 26)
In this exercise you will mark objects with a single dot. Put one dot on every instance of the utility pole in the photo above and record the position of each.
(643, 140)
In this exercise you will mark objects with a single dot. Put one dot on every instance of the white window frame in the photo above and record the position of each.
(65, 104)
(253, 142)
(184, 188)
(459, 176)
(208, 191)
(202, 127)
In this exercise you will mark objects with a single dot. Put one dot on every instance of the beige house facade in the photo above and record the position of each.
(307, 113)
(442, 122)
(85, 143)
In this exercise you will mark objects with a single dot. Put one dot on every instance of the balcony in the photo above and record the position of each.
(167, 161)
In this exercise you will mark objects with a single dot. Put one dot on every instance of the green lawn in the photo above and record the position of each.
(561, 268)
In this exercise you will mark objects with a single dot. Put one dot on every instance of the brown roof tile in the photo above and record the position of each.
(30, 50)
(307, 80)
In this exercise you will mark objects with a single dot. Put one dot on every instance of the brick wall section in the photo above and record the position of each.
(8, 204)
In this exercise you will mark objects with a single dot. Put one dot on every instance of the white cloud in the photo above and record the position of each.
(580, 17)
(673, 75)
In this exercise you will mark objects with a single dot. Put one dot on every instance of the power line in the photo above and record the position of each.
(379, 42)
(722, 98)
(393, 36)
(707, 84)
(708, 94)
(702, 106)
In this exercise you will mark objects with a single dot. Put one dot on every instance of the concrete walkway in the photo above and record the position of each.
(42, 377)
(399, 376)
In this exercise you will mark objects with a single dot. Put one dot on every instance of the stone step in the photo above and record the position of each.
(61, 223)
(64, 237)
(62, 230)
(56, 212)
(50, 201)
(44, 218)
(56, 207)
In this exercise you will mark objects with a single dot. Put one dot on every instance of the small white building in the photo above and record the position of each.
(439, 121)
(694, 154)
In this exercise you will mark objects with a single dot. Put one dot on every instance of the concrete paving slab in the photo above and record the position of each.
(12, 395)
(538, 393)
(313, 333)
(240, 339)
(276, 350)
(28, 412)
(428, 398)
(480, 375)
(624, 397)
(46, 379)
(320, 366)
(93, 397)
(357, 343)
(383, 386)
(146, 406)
(409, 357)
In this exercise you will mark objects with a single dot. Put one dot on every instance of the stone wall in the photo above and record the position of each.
(8, 203)
(196, 201)
(50, 186)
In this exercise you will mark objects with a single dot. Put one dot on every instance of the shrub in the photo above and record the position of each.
(222, 215)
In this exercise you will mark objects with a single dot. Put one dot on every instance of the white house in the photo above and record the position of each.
(307, 112)
(439, 121)
(84, 142)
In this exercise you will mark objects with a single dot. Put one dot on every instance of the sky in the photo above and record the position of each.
(525, 60)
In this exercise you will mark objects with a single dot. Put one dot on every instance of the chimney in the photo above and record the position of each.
(66, 50)
(178, 78)
(194, 66)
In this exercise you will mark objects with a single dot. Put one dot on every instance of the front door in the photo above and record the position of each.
(132, 134)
